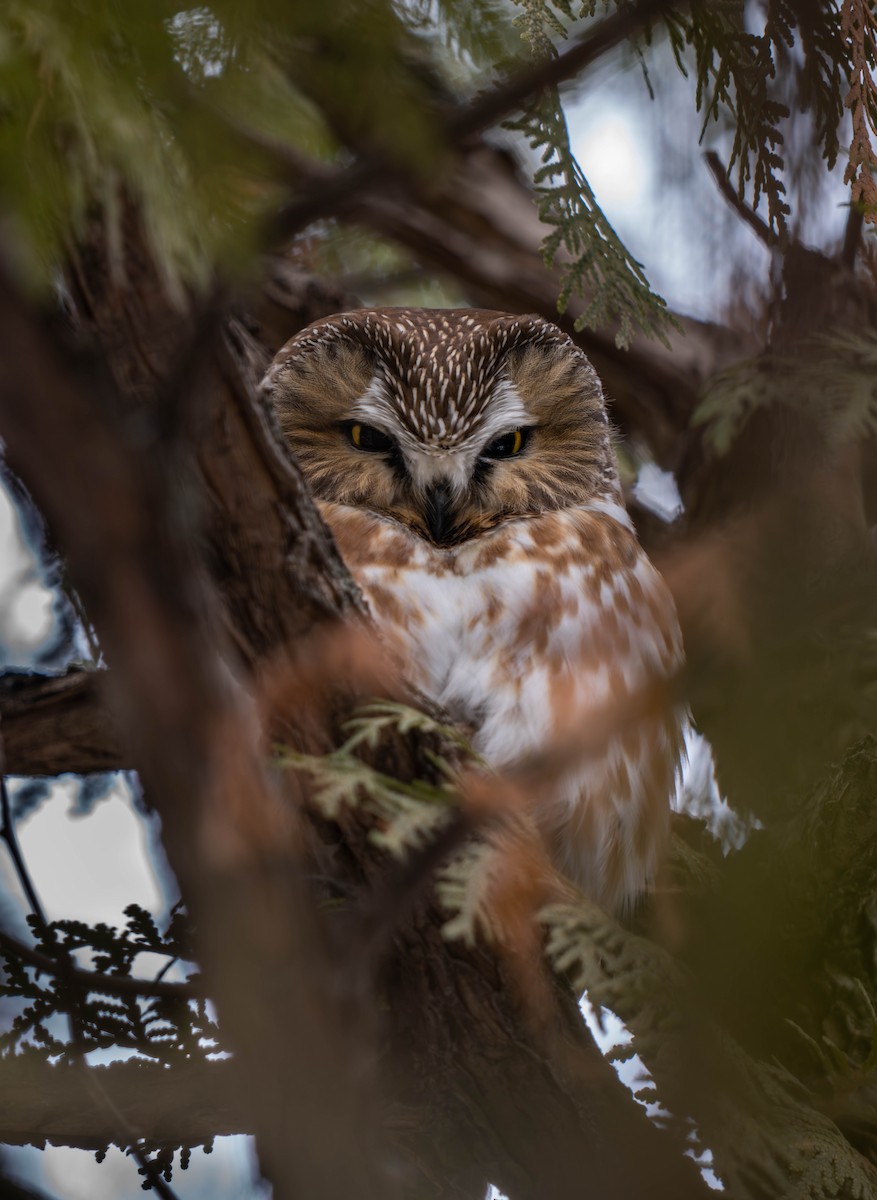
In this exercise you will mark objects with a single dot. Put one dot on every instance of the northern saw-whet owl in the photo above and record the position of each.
(463, 461)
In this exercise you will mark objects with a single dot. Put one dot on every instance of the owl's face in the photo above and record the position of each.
(450, 421)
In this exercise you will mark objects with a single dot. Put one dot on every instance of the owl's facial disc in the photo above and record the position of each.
(442, 481)
(450, 422)
(430, 483)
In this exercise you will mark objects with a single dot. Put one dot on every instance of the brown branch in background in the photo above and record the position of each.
(332, 196)
(760, 228)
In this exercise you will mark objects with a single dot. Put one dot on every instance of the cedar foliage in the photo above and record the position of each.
(760, 1031)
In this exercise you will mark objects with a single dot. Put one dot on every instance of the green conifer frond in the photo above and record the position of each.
(408, 814)
(593, 261)
(832, 50)
(98, 102)
(463, 889)
(473, 33)
(164, 1029)
(371, 720)
(734, 71)
(765, 1138)
(169, 108)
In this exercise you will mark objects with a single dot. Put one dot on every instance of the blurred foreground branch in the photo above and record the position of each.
(229, 833)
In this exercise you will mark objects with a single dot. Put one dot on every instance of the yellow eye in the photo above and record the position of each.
(366, 437)
(507, 446)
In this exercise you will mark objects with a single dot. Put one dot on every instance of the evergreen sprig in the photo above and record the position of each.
(161, 1028)
(767, 1136)
(734, 73)
(409, 814)
(594, 263)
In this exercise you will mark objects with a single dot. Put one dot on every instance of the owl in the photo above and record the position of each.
(463, 461)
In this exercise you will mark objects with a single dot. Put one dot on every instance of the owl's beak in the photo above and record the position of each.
(438, 511)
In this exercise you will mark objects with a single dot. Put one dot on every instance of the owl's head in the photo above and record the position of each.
(451, 421)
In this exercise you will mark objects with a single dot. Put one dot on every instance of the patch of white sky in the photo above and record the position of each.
(657, 490)
(644, 160)
(612, 1035)
(26, 604)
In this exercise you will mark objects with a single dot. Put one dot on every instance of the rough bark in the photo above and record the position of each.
(55, 724)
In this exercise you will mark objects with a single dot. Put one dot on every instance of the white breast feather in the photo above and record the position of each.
(467, 664)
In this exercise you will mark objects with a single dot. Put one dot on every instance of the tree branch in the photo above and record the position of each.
(189, 1104)
(54, 724)
(7, 833)
(852, 234)
(333, 195)
(495, 1091)
(760, 228)
(95, 981)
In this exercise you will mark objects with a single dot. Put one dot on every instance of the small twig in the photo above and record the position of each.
(149, 1169)
(164, 970)
(82, 617)
(7, 832)
(94, 981)
(760, 227)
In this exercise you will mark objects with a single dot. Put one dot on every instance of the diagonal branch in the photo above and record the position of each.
(760, 228)
(334, 194)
